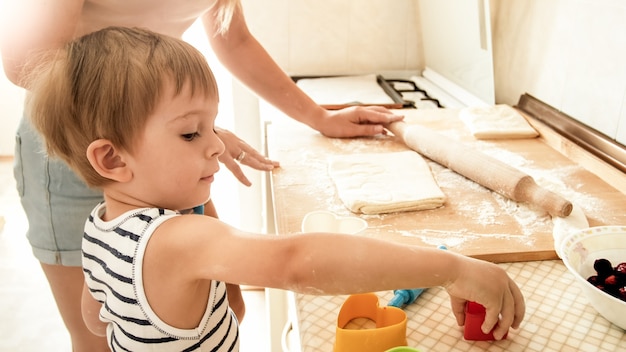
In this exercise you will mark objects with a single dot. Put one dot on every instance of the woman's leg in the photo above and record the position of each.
(56, 203)
(66, 283)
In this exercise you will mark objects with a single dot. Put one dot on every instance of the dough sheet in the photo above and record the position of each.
(496, 122)
(378, 183)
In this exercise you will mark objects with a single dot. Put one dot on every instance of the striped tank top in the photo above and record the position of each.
(113, 254)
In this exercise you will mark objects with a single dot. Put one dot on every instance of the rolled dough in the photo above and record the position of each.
(377, 183)
(496, 122)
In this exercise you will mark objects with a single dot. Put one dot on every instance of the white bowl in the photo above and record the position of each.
(325, 221)
(581, 249)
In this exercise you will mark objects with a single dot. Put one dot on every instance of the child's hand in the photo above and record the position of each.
(489, 285)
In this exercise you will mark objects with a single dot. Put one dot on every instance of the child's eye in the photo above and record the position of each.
(190, 136)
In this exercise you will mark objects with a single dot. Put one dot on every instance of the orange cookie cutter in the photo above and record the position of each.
(390, 328)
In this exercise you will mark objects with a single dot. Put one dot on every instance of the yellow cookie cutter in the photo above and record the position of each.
(390, 328)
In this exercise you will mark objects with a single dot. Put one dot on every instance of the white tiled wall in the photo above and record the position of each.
(338, 36)
(570, 54)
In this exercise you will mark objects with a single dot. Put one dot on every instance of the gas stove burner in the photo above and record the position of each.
(409, 93)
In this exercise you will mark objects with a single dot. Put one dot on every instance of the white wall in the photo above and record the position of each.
(571, 54)
(323, 37)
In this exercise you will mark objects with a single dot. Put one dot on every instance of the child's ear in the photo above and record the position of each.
(108, 161)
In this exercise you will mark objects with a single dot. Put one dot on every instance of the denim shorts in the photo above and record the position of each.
(56, 201)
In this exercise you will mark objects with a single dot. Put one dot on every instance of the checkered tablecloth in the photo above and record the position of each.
(558, 317)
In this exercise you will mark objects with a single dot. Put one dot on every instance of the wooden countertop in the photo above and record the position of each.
(474, 221)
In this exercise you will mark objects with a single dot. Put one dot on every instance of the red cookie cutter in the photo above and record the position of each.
(474, 318)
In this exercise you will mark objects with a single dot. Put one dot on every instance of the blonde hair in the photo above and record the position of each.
(224, 14)
(104, 86)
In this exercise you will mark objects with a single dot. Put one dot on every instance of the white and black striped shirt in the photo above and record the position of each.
(113, 254)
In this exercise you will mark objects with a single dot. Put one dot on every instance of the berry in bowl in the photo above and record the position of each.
(596, 257)
(608, 278)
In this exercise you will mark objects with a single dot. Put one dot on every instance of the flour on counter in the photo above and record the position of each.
(456, 239)
(452, 239)
(529, 219)
(358, 145)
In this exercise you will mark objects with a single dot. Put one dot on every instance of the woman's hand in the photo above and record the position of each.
(355, 121)
(239, 152)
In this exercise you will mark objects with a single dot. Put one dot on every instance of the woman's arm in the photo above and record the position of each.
(32, 26)
(247, 60)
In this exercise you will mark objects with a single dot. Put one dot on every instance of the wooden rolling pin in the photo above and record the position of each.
(480, 168)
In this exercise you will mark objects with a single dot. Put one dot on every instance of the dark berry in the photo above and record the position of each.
(610, 281)
(593, 280)
(603, 267)
(620, 271)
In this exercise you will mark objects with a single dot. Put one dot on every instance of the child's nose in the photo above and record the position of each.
(216, 148)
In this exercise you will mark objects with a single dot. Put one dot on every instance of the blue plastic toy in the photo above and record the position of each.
(403, 297)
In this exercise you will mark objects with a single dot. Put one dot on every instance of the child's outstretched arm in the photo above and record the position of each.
(235, 298)
(324, 263)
